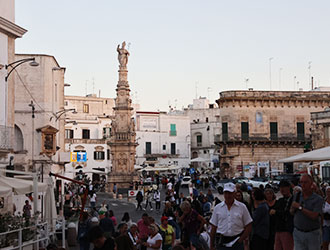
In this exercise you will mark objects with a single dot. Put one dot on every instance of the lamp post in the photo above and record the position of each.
(58, 114)
(270, 73)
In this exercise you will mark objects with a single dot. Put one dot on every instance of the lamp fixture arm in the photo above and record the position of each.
(18, 63)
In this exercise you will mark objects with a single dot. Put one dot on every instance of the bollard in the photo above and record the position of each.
(72, 234)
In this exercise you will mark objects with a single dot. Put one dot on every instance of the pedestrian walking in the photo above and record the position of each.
(123, 241)
(126, 219)
(143, 226)
(271, 202)
(107, 226)
(134, 235)
(112, 217)
(27, 210)
(92, 199)
(231, 222)
(326, 220)
(157, 199)
(139, 199)
(193, 223)
(100, 242)
(284, 220)
(167, 233)
(261, 222)
(154, 240)
(148, 199)
(83, 228)
(307, 209)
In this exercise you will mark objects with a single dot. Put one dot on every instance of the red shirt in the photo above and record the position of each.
(143, 229)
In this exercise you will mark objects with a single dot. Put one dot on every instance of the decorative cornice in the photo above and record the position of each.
(10, 28)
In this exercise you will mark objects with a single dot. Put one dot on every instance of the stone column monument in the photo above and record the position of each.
(122, 141)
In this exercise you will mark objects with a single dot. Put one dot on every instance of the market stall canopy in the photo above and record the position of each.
(199, 159)
(322, 154)
(19, 186)
(5, 191)
(136, 167)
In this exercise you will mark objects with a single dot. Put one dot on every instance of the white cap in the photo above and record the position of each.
(94, 219)
(229, 187)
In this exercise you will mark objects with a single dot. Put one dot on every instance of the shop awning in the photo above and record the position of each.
(322, 154)
(19, 186)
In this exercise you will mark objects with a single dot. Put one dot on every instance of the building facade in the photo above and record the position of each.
(39, 130)
(9, 31)
(163, 138)
(320, 122)
(87, 130)
(260, 127)
(204, 125)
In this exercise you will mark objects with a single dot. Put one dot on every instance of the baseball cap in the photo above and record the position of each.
(229, 187)
(163, 218)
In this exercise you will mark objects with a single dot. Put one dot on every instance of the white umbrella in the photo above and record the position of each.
(50, 214)
(321, 154)
(20, 186)
(199, 159)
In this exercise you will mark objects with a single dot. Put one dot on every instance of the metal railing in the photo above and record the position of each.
(40, 234)
(6, 137)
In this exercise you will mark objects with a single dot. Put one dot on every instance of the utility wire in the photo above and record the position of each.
(35, 101)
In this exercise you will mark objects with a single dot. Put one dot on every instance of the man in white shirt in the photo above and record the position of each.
(231, 222)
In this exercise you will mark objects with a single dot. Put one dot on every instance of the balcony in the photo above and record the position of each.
(85, 141)
(6, 138)
(263, 139)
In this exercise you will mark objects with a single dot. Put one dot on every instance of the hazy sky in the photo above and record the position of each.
(176, 45)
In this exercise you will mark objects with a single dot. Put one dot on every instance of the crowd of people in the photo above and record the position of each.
(247, 218)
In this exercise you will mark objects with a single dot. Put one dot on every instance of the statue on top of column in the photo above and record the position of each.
(122, 55)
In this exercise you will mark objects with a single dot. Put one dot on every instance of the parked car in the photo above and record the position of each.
(257, 181)
(241, 179)
(220, 184)
(186, 181)
(293, 178)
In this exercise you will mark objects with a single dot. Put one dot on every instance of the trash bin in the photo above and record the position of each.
(72, 234)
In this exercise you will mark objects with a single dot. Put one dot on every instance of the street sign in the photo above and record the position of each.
(192, 171)
(133, 193)
(78, 157)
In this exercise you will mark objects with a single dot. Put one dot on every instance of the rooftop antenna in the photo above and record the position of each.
(270, 73)
(246, 82)
(86, 87)
(294, 83)
(175, 103)
(208, 92)
(309, 73)
(196, 84)
(128, 46)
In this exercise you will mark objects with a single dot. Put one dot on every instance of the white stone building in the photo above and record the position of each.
(204, 126)
(39, 141)
(163, 138)
(87, 130)
(9, 31)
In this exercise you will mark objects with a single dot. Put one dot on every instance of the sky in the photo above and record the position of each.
(181, 49)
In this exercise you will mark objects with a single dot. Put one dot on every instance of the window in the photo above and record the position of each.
(106, 133)
(108, 154)
(85, 134)
(173, 130)
(245, 130)
(164, 147)
(173, 149)
(273, 131)
(69, 134)
(86, 108)
(300, 131)
(148, 148)
(66, 103)
(207, 119)
(199, 140)
(99, 155)
(225, 131)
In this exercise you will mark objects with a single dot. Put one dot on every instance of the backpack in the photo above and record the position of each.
(163, 234)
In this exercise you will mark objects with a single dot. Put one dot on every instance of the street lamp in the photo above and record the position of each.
(15, 64)
(58, 114)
